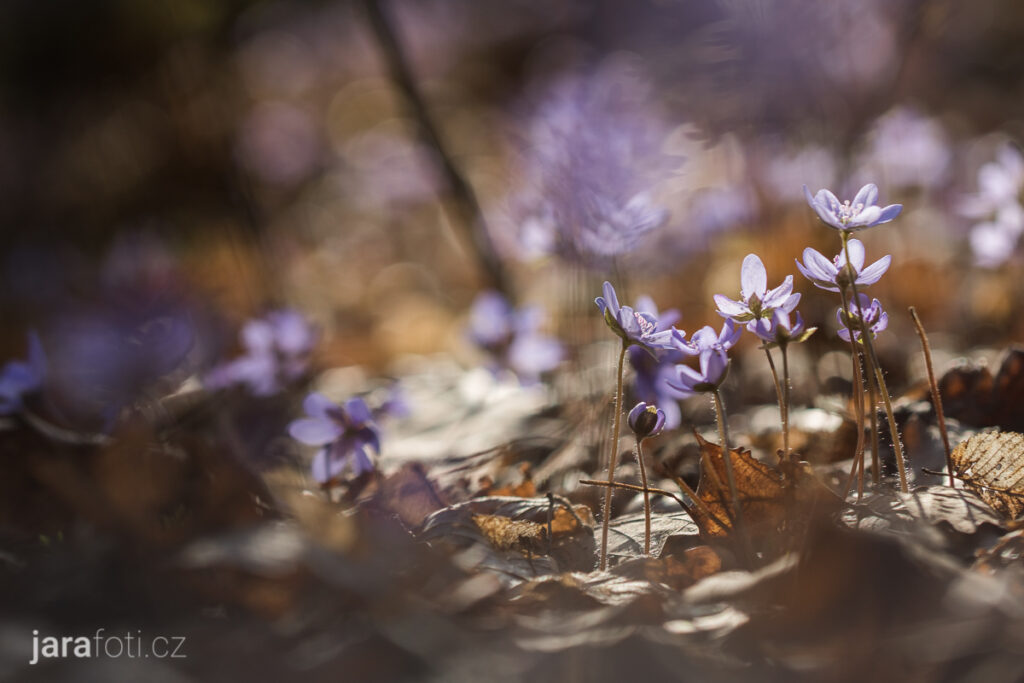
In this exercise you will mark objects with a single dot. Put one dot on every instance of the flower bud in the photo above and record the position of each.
(646, 420)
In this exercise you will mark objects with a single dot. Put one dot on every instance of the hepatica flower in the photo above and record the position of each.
(633, 327)
(512, 336)
(756, 300)
(780, 328)
(343, 433)
(651, 370)
(866, 309)
(646, 420)
(277, 351)
(712, 349)
(831, 276)
(19, 378)
(998, 207)
(847, 216)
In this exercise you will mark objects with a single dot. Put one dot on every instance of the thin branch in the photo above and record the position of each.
(936, 396)
(472, 220)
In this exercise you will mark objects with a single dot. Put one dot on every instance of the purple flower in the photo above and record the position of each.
(344, 432)
(872, 314)
(20, 377)
(998, 202)
(779, 329)
(646, 420)
(277, 351)
(831, 275)
(859, 214)
(512, 338)
(592, 164)
(756, 301)
(706, 341)
(714, 365)
(634, 327)
(650, 370)
(714, 361)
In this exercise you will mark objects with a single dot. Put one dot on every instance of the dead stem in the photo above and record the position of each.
(936, 396)
(605, 518)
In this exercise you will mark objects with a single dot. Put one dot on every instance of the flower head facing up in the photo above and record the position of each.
(780, 329)
(866, 309)
(706, 341)
(833, 275)
(511, 337)
(19, 378)
(646, 420)
(847, 216)
(277, 351)
(344, 432)
(756, 300)
(634, 327)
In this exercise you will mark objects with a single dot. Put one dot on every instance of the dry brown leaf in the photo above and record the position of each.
(973, 396)
(992, 465)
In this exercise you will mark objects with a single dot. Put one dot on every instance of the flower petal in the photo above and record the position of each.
(610, 299)
(775, 297)
(729, 308)
(888, 213)
(856, 250)
(866, 196)
(753, 277)
(315, 432)
(865, 219)
(875, 271)
(318, 405)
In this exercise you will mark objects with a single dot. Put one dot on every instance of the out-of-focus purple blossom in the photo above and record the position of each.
(785, 171)
(865, 309)
(907, 150)
(646, 420)
(19, 378)
(756, 300)
(780, 329)
(395, 404)
(714, 365)
(101, 361)
(594, 156)
(389, 170)
(847, 216)
(831, 275)
(998, 203)
(715, 209)
(344, 433)
(512, 337)
(277, 352)
(634, 327)
(651, 370)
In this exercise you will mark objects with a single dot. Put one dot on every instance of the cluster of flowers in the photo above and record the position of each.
(997, 207)
(769, 314)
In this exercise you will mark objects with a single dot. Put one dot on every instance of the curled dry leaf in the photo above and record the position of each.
(769, 496)
(513, 533)
(992, 465)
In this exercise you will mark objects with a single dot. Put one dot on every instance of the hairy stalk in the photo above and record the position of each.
(647, 496)
(785, 395)
(781, 399)
(737, 509)
(868, 344)
(858, 397)
(876, 443)
(616, 424)
(936, 396)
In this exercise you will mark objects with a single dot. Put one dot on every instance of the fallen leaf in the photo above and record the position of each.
(992, 465)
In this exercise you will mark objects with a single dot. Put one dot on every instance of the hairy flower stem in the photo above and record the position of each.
(876, 443)
(866, 337)
(936, 396)
(858, 397)
(737, 509)
(782, 401)
(616, 424)
(785, 395)
(647, 496)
